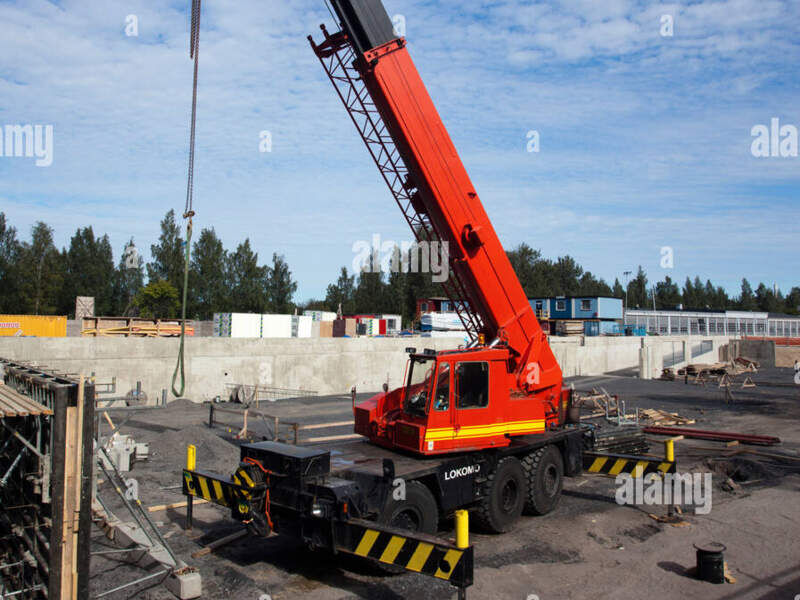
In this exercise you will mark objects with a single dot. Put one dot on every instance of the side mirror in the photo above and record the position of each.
(385, 388)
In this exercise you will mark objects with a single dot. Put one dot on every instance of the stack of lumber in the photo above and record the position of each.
(569, 327)
(133, 327)
(14, 404)
(708, 369)
(662, 417)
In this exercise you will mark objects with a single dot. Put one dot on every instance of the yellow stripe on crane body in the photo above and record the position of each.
(479, 431)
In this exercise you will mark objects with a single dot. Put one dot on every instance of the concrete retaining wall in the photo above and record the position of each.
(327, 366)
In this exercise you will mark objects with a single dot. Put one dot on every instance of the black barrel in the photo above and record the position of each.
(710, 562)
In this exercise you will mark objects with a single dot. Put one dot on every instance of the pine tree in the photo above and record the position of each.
(280, 286)
(128, 280)
(637, 290)
(342, 293)
(618, 291)
(207, 290)
(9, 268)
(169, 254)
(246, 280)
(44, 269)
(89, 272)
(747, 300)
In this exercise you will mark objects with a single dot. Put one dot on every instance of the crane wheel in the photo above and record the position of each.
(506, 489)
(545, 470)
(418, 513)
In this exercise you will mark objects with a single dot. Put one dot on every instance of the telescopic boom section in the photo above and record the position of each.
(442, 191)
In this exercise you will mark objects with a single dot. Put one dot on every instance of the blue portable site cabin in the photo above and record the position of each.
(578, 307)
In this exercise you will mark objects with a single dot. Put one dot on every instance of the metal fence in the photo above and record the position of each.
(703, 347)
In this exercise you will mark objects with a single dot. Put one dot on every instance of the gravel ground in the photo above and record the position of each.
(589, 547)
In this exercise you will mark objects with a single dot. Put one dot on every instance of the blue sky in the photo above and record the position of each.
(645, 139)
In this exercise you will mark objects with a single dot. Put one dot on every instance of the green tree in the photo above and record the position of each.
(43, 267)
(280, 286)
(341, 293)
(637, 290)
(89, 272)
(747, 300)
(169, 254)
(618, 291)
(793, 301)
(208, 292)
(567, 276)
(128, 280)
(247, 281)
(668, 295)
(589, 285)
(9, 268)
(158, 300)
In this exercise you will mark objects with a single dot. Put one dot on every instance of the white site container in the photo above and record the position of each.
(276, 326)
(245, 325)
(394, 323)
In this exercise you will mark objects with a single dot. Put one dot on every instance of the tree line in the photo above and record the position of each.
(37, 278)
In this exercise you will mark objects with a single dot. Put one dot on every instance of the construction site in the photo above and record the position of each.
(497, 446)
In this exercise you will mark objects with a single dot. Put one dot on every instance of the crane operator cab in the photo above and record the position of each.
(453, 400)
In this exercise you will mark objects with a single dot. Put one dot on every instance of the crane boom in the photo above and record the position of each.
(378, 82)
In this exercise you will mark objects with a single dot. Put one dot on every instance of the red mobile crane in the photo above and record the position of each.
(483, 396)
(482, 428)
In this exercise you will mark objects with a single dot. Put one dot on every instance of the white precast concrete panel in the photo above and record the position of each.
(276, 326)
(245, 325)
(304, 326)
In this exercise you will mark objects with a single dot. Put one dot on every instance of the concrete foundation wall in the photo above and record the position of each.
(327, 366)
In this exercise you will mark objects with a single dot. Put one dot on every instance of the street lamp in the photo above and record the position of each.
(627, 275)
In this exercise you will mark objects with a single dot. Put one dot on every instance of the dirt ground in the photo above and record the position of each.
(589, 547)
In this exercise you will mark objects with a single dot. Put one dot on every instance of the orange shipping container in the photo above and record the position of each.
(32, 326)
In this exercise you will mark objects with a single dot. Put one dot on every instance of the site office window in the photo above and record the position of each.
(561, 305)
(586, 305)
(472, 385)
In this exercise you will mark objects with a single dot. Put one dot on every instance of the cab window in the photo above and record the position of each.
(441, 400)
(472, 385)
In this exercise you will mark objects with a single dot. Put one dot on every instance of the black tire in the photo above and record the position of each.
(545, 470)
(418, 513)
(506, 491)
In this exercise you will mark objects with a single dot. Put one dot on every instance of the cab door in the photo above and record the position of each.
(474, 419)
(439, 432)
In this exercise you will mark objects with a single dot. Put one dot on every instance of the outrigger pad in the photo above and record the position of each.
(366, 23)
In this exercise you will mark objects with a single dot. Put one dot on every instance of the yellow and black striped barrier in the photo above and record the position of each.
(415, 552)
(213, 488)
(616, 464)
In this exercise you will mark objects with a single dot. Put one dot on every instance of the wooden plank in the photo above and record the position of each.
(182, 504)
(219, 543)
(333, 438)
(324, 425)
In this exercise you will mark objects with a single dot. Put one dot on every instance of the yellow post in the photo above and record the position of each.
(191, 464)
(191, 457)
(669, 448)
(462, 529)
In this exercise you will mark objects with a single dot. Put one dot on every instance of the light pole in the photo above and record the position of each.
(627, 275)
